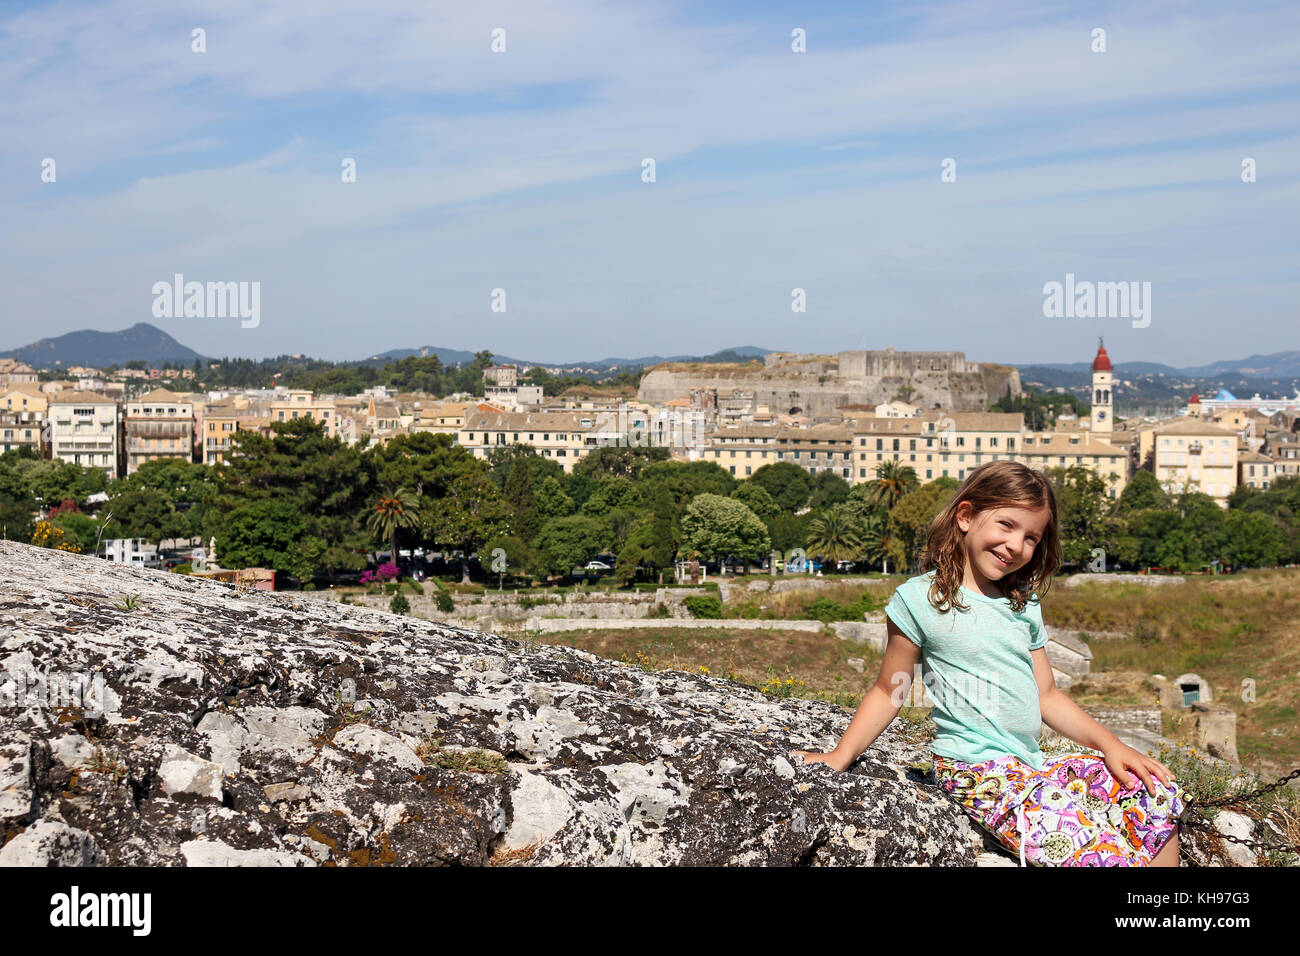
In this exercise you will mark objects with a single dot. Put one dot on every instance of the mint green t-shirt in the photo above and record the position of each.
(975, 664)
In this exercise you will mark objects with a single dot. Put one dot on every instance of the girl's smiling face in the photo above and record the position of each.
(998, 542)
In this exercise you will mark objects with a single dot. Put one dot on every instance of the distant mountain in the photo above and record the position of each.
(99, 349)
(1281, 365)
(742, 353)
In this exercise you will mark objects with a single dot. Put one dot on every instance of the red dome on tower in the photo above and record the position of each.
(1196, 399)
(1102, 362)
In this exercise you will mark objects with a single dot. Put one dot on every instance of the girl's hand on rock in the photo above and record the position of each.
(831, 759)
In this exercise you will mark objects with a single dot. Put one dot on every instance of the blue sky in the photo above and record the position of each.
(775, 170)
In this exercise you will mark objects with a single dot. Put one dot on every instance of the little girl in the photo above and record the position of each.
(974, 621)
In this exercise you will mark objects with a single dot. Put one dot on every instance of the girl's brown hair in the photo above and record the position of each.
(995, 484)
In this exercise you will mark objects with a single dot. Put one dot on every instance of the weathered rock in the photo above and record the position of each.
(182, 772)
(51, 843)
(603, 763)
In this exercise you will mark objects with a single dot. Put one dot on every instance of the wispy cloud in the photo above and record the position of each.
(523, 170)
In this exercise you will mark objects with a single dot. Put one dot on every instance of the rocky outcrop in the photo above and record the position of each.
(154, 719)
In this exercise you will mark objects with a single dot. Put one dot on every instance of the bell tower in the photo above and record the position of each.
(1103, 422)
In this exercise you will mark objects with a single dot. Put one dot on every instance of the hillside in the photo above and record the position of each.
(99, 349)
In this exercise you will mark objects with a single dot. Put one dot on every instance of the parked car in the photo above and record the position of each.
(597, 566)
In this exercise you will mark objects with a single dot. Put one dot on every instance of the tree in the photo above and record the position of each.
(828, 489)
(718, 527)
(893, 481)
(611, 494)
(566, 543)
(520, 559)
(834, 535)
(1142, 492)
(261, 533)
(469, 512)
(1083, 514)
(788, 484)
(326, 483)
(551, 501)
(909, 521)
(1251, 540)
(619, 461)
(664, 531)
(637, 552)
(756, 499)
(391, 512)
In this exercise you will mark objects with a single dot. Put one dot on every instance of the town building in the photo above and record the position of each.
(85, 430)
(159, 424)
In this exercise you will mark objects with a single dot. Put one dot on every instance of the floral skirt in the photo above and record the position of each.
(1071, 813)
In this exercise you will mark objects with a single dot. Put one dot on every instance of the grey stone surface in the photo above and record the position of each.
(605, 763)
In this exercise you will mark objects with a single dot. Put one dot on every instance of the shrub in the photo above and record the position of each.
(185, 568)
(445, 603)
(704, 606)
(415, 586)
(399, 604)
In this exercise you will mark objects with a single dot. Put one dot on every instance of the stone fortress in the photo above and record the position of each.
(822, 386)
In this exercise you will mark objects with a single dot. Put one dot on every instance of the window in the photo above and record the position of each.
(880, 444)
(749, 469)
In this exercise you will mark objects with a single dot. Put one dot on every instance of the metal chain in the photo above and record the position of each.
(1192, 805)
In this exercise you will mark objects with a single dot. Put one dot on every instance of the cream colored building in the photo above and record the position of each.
(1286, 458)
(300, 403)
(220, 422)
(27, 399)
(14, 372)
(741, 450)
(1255, 469)
(1044, 450)
(159, 424)
(562, 436)
(84, 430)
(1193, 453)
(17, 431)
(942, 444)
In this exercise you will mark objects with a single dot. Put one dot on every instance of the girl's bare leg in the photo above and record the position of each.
(1168, 855)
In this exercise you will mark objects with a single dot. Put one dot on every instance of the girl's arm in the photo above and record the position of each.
(1065, 716)
(1069, 719)
(880, 705)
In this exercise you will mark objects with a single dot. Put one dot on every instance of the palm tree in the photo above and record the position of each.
(392, 511)
(835, 536)
(893, 480)
(874, 528)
